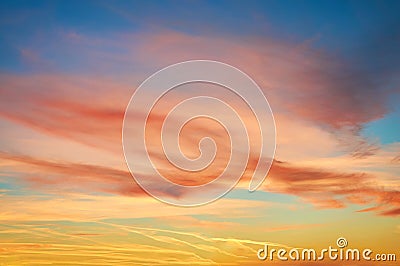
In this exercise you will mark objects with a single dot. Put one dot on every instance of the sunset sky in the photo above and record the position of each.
(329, 69)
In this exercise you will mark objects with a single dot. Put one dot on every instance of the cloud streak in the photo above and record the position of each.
(331, 189)
(322, 188)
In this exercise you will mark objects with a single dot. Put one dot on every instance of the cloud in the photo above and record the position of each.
(333, 189)
(391, 212)
(322, 188)
(81, 109)
(72, 177)
(335, 91)
(322, 95)
(313, 86)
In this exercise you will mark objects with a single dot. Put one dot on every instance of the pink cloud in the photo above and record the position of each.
(322, 188)
(313, 84)
(331, 189)
(302, 84)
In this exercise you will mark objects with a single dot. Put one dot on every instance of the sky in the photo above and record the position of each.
(329, 69)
